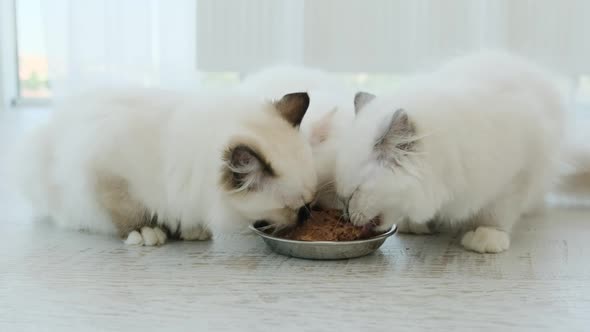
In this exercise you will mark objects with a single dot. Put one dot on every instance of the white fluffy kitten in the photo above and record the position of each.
(475, 144)
(330, 111)
(147, 164)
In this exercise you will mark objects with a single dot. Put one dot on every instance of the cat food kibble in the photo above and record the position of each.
(328, 225)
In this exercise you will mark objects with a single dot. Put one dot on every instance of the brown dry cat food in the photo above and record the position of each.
(327, 225)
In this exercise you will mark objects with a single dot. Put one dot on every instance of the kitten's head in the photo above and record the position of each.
(268, 172)
(374, 169)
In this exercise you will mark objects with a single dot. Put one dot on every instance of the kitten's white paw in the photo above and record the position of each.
(147, 236)
(161, 235)
(413, 228)
(199, 233)
(359, 219)
(134, 239)
(486, 240)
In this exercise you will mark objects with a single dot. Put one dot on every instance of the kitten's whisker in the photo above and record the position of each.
(325, 185)
(306, 206)
(329, 190)
(315, 199)
(276, 228)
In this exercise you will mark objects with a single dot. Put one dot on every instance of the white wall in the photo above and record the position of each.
(171, 42)
(388, 35)
(244, 35)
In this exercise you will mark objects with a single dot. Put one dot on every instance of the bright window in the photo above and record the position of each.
(32, 52)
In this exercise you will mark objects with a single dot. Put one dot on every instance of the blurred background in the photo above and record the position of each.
(50, 47)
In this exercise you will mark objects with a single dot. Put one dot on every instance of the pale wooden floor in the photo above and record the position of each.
(56, 280)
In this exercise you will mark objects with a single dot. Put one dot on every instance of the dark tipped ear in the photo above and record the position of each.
(245, 169)
(361, 99)
(397, 140)
(292, 107)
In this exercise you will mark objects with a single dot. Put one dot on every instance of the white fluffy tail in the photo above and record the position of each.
(576, 180)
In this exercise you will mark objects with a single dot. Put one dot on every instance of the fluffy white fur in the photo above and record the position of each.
(477, 145)
(330, 112)
(168, 148)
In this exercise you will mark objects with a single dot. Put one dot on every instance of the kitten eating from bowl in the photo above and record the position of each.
(147, 164)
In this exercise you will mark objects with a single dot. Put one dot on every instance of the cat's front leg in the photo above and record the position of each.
(403, 224)
(131, 218)
(410, 227)
(361, 209)
(492, 226)
(196, 233)
(486, 239)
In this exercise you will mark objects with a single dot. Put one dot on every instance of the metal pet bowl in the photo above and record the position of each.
(324, 250)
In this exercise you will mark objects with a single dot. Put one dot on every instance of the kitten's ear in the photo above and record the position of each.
(245, 169)
(361, 99)
(320, 130)
(397, 140)
(292, 107)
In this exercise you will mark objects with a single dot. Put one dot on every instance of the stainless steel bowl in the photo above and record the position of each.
(324, 249)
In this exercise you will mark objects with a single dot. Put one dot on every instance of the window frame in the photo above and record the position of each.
(9, 85)
(10, 96)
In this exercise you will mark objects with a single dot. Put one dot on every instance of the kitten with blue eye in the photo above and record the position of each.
(474, 145)
(148, 164)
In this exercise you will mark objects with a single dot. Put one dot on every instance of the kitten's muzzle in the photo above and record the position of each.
(304, 213)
